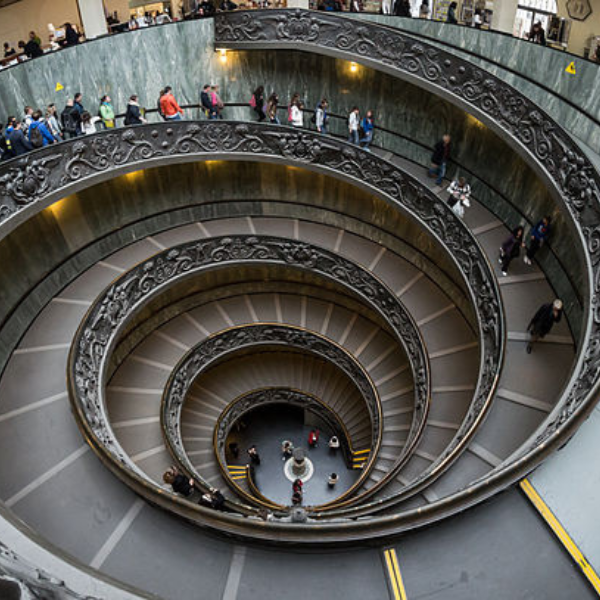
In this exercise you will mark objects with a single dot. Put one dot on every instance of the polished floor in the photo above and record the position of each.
(267, 429)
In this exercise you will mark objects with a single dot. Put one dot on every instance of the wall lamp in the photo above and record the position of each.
(223, 57)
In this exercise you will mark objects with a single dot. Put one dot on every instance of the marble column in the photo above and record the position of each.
(93, 18)
(504, 15)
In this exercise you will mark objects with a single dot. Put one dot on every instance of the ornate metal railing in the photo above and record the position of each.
(223, 346)
(555, 156)
(28, 184)
(115, 308)
(250, 401)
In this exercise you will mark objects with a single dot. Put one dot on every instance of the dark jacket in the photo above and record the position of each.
(441, 153)
(512, 245)
(71, 37)
(69, 119)
(32, 49)
(182, 486)
(133, 115)
(18, 142)
(205, 100)
(544, 319)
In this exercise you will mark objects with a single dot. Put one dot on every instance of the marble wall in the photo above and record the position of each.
(543, 65)
(182, 55)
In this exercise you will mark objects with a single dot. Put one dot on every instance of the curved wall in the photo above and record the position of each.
(96, 221)
(545, 66)
(182, 55)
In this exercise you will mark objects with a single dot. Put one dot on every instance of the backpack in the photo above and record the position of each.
(68, 120)
(35, 137)
(252, 101)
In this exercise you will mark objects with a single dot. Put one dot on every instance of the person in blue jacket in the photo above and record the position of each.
(39, 135)
(368, 125)
(537, 237)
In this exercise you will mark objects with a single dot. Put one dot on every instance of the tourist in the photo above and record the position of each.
(212, 499)
(402, 8)
(439, 159)
(180, 483)
(537, 237)
(333, 479)
(70, 119)
(537, 35)
(78, 110)
(6, 152)
(88, 123)
(368, 127)
(451, 16)
(458, 200)
(257, 102)
(297, 485)
(216, 103)
(52, 123)
(107, 112)
(133, 114)
(206, 9)
(296, 498)
(38, 134)
(234, 449)
(386, 7)
(353, 122)
(295, 100)
(162, 18)
(30, 49)
(511, 248)
(254, 456)
(477, 19)
(227, 5)
(18, 142)
(313, 438)
(205, 100)
(272, 105)
(169, 107)
(71, 36)
(133, 24)
(334, 443)
(543, 321)
(8, 50)
(297, 114)
(28, 112)
(287, 448)
(321, 117)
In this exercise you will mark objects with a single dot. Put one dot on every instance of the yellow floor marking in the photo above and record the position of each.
(362, 451)
(398, 574)
(239, 477)
(561, 533)
(391, 575)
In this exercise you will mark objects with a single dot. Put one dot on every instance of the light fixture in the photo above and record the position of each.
(223, 57)
(353, 67)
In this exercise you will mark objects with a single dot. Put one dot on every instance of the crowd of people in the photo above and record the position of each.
(38, 128)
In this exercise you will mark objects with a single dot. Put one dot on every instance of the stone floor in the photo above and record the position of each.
(267, 428)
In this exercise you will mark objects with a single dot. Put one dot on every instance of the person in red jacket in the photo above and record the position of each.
(313, 438)
(169, 107)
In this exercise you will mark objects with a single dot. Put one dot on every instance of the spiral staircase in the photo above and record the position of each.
(185, 291)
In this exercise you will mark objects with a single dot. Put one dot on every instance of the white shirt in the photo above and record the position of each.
(297, 118)
(353, 121)
(90, 127)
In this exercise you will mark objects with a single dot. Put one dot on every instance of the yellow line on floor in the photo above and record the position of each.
(237, 468)
(362, 451)
(391, 561)
(239, 477)
(561, 533)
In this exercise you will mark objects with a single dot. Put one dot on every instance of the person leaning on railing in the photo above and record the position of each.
(180, 483)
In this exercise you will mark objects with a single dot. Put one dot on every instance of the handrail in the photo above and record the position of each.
(100, 156)
(227, 344)
(571, 177)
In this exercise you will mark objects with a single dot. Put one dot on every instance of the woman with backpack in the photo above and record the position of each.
(257, 102)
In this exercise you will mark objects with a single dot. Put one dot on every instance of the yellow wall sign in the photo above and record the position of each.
(59, 87)
(571, 68)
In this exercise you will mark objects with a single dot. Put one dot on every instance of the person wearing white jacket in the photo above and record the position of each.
(353, 121)
(297, 116)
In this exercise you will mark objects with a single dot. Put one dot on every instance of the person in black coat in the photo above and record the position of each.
(543, 321)
(32, 49)
(259, 103)
(180, 483)
(511, 248)
(537, 35)
(439, 159)
(133, 114)
(18, 142)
